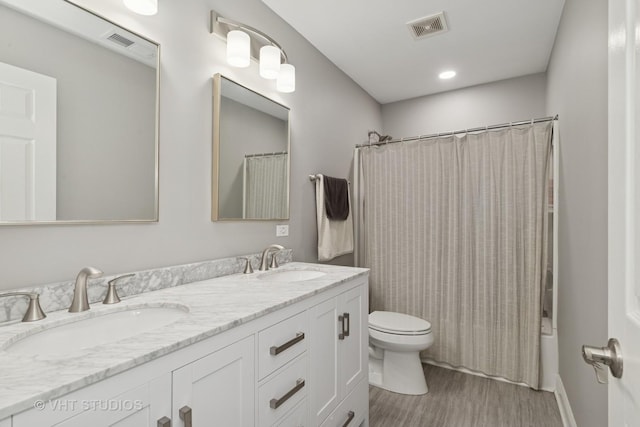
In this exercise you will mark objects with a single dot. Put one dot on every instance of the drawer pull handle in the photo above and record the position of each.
(346, 326)
(276, 403)
(350, 418)
(274, 351)
(164, 422)
(185, 415)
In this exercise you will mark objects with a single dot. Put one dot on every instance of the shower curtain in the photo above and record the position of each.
(266, 186)
(455, 232)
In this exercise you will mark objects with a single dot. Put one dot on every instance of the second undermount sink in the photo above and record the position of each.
(291, 275)
(93, 331)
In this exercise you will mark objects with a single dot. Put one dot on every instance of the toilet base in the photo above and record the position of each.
(399, 372)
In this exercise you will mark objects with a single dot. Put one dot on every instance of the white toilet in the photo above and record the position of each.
(395, 343)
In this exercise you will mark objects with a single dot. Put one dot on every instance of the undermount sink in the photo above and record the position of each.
(291, 275)
(93, 331)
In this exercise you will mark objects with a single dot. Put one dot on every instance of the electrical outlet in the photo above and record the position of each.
(282, 230)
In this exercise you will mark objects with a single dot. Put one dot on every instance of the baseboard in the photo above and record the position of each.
(563, 404)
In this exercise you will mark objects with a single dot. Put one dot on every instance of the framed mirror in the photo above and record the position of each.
(250, 154)
(78, 117)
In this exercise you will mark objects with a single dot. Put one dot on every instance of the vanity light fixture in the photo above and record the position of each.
(257, 45)
(142, 7)
(269, 62)
(238, 49)
(286, 79)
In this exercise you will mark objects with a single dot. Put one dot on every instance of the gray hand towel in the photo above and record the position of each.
(336, 198)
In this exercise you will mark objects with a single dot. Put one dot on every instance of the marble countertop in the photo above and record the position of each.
(214, 305)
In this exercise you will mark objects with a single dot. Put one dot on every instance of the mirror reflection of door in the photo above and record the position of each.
(103, 117)
(27, 145)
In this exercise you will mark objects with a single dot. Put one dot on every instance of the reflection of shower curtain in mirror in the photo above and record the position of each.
(265, 186)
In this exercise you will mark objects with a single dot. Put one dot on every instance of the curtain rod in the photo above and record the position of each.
(265, 154)
(485, 128)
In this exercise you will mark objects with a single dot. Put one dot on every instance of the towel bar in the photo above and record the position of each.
(315, 177)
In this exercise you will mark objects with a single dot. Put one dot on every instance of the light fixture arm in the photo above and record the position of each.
(220, 26)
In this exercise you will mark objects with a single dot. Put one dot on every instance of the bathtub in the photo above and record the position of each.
(548, 355)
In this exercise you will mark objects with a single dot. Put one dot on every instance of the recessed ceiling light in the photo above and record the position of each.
(447, 75)
(142, 7)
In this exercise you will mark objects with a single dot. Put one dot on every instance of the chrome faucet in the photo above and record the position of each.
(80, 300)
(264, 263)
(34, 311)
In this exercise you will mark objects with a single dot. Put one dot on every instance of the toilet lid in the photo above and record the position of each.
(398, 323)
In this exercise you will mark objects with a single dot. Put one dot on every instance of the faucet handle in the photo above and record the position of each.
(274, 260)
(248, 269)
(34, 311)
(112, 296)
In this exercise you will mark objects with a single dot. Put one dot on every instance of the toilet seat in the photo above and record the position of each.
(398, 324)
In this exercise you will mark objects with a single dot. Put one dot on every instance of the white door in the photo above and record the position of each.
(624, 208)
(27, 145)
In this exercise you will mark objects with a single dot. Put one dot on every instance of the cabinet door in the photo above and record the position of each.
(219, 388)
(140, 407)
(353, 411)
(323, 360)
(352, 349)
(5, 422)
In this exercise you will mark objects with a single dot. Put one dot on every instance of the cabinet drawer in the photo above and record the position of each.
(352, 410)
(281, 393)
(299, 417)
(281, 343)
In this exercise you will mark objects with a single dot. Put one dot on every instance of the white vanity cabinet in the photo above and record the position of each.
(283, 367)
(338, 357)
(217, 389)
(303, 364)
(104, 404)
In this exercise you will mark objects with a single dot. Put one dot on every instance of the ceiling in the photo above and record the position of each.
(369, 40)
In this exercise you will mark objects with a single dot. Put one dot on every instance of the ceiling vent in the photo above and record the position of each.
(120, 40)
(428, 26)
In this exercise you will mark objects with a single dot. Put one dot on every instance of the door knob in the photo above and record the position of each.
(598, 357)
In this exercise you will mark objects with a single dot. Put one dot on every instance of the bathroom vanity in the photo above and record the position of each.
(285, 347)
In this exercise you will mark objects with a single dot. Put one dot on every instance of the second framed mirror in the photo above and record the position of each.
(251, 160)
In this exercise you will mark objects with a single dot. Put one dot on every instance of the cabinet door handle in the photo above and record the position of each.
(185, 415)
(274, 351)
(164, 422)
(276, 403)
(350, 416)
(346, 325)
(348, 321)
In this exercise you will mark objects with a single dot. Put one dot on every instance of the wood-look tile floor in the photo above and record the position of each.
(456, 399)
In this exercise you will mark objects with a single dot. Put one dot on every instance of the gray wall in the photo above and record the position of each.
(103, 171)
(577, 91)
(329, 115)
(243, 130)
(492, 103)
